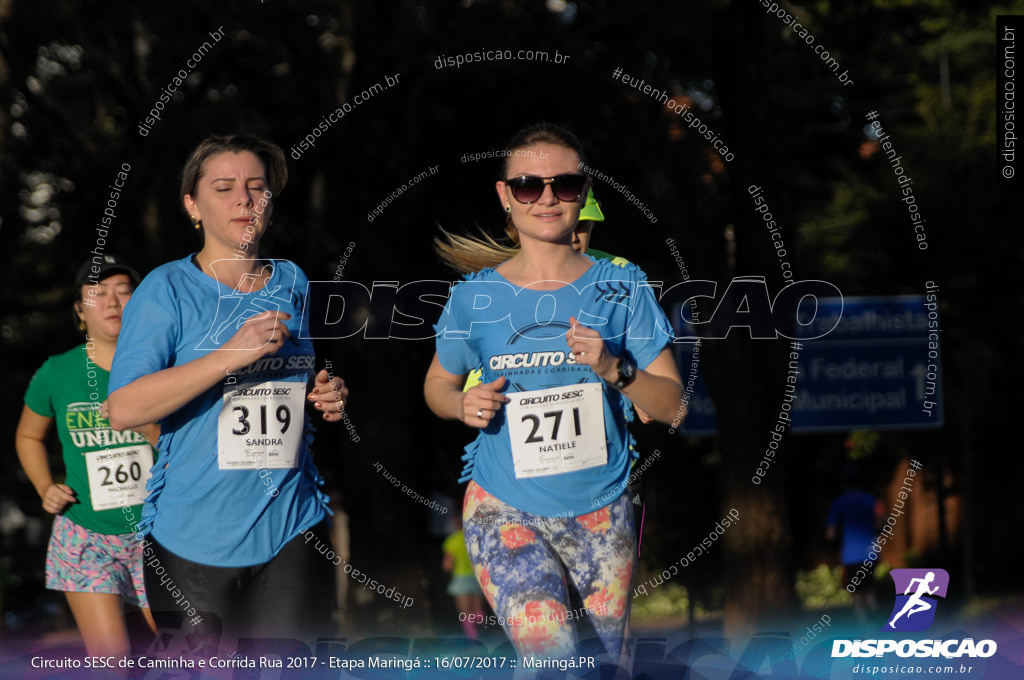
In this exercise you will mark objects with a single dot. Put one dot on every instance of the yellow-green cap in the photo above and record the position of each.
(591, 211)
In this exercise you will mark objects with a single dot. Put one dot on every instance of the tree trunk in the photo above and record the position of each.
(745, 376)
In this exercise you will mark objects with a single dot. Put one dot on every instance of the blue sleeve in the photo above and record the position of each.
(37, 396)
(453, 347)
(649, 329)
(301, 289)
(149, 333)
(833, 513)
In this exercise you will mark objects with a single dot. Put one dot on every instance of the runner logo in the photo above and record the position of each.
(914, 609)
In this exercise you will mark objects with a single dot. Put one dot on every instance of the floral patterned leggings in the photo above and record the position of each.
(531, 568)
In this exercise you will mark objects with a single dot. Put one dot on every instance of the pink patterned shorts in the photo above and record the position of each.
(83, 561)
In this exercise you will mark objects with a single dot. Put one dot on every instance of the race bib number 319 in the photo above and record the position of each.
(560, 429)
(260, 425)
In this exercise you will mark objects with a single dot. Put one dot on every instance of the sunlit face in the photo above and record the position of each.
(233, 201)
(547, 219)
(102, 305)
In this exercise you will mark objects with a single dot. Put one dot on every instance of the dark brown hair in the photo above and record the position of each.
(270, 155)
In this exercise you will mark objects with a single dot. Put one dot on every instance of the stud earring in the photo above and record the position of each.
(508, 208)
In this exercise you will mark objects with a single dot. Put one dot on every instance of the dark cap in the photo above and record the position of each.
(99, 267)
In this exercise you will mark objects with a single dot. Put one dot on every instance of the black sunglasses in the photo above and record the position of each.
(527, 188)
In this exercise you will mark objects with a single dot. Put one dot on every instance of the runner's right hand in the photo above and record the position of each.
(485, 399)
(57, 497)
(259, 336)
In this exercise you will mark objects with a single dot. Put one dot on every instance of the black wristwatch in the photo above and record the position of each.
(627, 374)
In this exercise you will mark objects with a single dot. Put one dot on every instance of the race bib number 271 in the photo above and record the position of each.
(560, 429)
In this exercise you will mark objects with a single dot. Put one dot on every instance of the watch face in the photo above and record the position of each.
(627, 370)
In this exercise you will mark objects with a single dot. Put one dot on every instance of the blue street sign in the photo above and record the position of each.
(876, 370)
(879, 368)
(700, 415)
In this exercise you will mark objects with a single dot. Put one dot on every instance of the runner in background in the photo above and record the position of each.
(855, 517)
(463, 586)
(536, 542)
(92, 555)
(589, 214)
(212, 346)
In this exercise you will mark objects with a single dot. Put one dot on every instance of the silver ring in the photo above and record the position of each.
(479, 413)
(582, 354)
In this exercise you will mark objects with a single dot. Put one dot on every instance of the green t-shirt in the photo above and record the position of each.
(455, 545)
(69, 389)
(601, 255)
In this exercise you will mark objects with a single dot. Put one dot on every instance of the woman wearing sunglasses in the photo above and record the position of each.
(563, 339)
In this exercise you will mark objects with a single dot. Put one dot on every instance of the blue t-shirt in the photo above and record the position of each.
(520, 333)
(213, 516)
(855, 513)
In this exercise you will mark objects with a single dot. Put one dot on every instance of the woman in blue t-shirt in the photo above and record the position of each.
(215, 346)
(563, 339)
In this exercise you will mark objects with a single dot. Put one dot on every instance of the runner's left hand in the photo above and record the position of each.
(329, 395)
(589, 348)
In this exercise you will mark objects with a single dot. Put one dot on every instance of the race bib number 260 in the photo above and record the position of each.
(260, 425)
(117, 477)
(560, 429)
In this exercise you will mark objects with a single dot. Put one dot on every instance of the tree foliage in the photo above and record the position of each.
(77, 79)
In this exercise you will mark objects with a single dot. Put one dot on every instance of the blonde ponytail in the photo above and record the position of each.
(467, 254)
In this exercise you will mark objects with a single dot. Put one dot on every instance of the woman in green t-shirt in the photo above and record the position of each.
(93, 555)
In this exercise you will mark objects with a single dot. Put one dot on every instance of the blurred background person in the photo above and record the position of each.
(855, 517)
(463, 586)
(92, 555)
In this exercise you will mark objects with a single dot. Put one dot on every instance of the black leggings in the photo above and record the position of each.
(291, 596)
